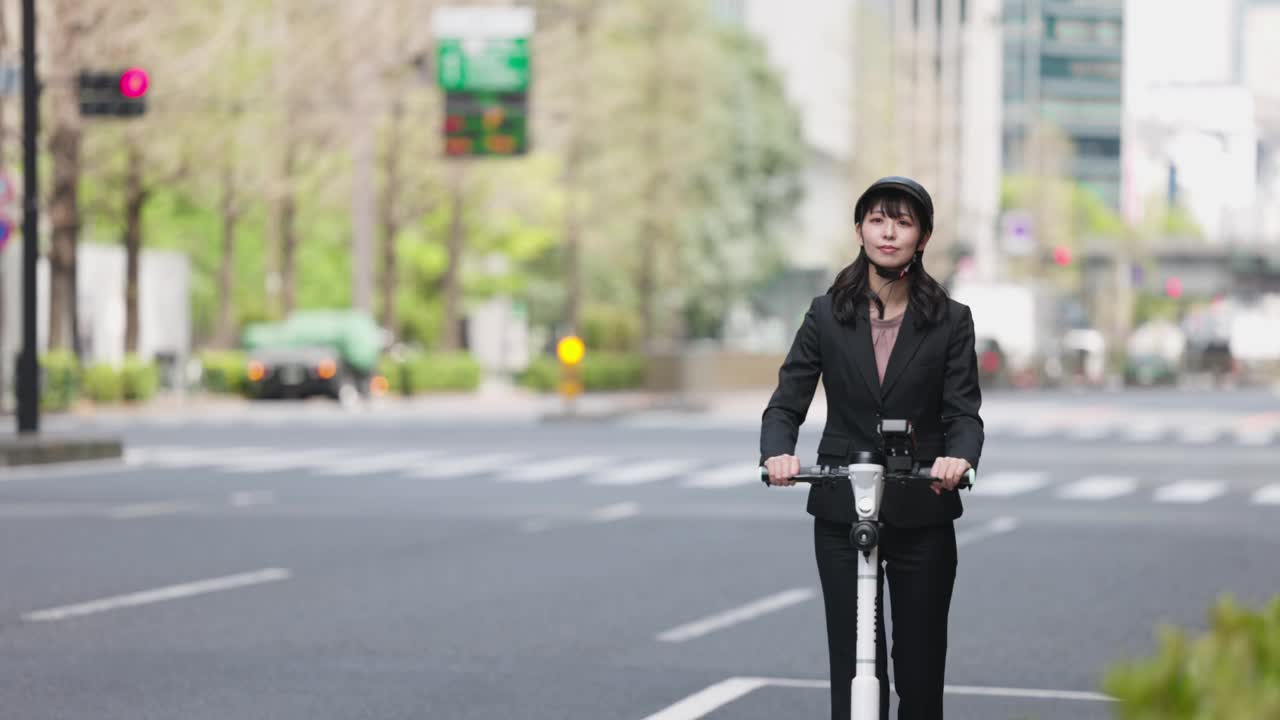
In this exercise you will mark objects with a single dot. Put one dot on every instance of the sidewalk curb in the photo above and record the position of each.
(45, 450)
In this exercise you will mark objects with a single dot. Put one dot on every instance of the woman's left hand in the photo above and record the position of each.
(949, 471)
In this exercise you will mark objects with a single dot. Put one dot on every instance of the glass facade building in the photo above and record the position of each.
(1063, 66)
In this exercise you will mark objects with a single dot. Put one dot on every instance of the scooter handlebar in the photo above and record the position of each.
(820, 474)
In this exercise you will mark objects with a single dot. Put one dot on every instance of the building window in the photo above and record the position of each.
(1097, 147)
(1108, 34)
(1071, 68)
(1082, 112)
(1078, 32)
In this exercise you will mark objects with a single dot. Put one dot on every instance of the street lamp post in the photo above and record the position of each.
(28, 364)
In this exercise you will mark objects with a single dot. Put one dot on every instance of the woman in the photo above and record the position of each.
(887, 342)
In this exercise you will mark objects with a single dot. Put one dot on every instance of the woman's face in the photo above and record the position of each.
(890, 241)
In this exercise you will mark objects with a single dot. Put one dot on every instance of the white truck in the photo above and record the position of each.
(1023, 337)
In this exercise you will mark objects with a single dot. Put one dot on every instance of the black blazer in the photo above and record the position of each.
(931, 380)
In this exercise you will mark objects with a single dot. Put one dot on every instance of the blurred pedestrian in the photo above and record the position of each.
(887, 342)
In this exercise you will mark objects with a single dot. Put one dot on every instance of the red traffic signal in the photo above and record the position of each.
(134, 83)
(1173, 287)
(1062, 255)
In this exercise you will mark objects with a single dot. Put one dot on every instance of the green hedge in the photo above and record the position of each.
(431, 372)
(1232, 672)
(103, 383)
(224, 372)
(600, 371)
(61, 381)
(138, 379)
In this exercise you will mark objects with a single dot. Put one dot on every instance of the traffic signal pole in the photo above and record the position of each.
(28, 363)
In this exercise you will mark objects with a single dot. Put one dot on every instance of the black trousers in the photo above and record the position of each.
(920, 564)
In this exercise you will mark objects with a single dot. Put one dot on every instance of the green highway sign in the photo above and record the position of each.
(483, 65)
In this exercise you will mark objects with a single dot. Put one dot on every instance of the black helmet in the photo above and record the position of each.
(903, 184)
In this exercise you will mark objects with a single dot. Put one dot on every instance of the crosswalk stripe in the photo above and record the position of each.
(1090, 432)
(1256, 437)
(1145, 431)
(644, 472)
(466, 465)
(276, 460)
(1267, 495)
(1005, 484)
(1190, 491)
(554, 469)
(724, 476)
(377, 463)
(1199, 434)
(179, 456)
(1098, 487)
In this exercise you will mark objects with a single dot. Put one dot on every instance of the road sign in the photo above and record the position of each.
(486, 124)
(570, 350)
(483, 64)
(1018, 236)
(483, 67)
(6, 231)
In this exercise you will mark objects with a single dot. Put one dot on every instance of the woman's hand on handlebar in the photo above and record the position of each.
(949, 471)
(782, 468)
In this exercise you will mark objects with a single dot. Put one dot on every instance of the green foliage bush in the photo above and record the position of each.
(1231, 672)
(600, 371)
(608, 328)
(542, 374)
(612, 371)
(61, 381)
(224, 371)
(138, 379)
(431, 372)
(103, 383)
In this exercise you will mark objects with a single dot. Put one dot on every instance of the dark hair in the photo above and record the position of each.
(851, 287)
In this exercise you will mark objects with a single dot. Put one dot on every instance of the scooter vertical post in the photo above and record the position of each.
(866, 686)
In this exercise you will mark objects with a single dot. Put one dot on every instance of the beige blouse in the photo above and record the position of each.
(883, 334)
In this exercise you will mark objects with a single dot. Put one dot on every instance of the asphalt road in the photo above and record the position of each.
(375, 567)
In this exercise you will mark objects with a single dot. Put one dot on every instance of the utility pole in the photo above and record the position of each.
(28, 366)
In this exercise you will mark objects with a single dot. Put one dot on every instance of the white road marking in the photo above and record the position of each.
(1004, 484)
(741, 614)
(149, 509)
(708, 700)
(250, 498)
(462, 466)
(146, 597)
(1145, 430)
(1256, 437)
(1190, 491)
(725, 476)
(996, 526)
(1098, 487)
(549, 470)
(617, 511)
(377, 463)
(645, 472)
(605, 514)
(279, 460)
(1199, 434)
(1267, 495)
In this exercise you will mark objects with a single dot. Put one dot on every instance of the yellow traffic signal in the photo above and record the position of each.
(570, 350)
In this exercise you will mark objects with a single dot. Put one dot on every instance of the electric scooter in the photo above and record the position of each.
(894, 461)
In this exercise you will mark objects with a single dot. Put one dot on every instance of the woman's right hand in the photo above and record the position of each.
(782, 468)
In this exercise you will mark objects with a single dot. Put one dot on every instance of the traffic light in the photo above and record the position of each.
(118, 93)
(1062, 255)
